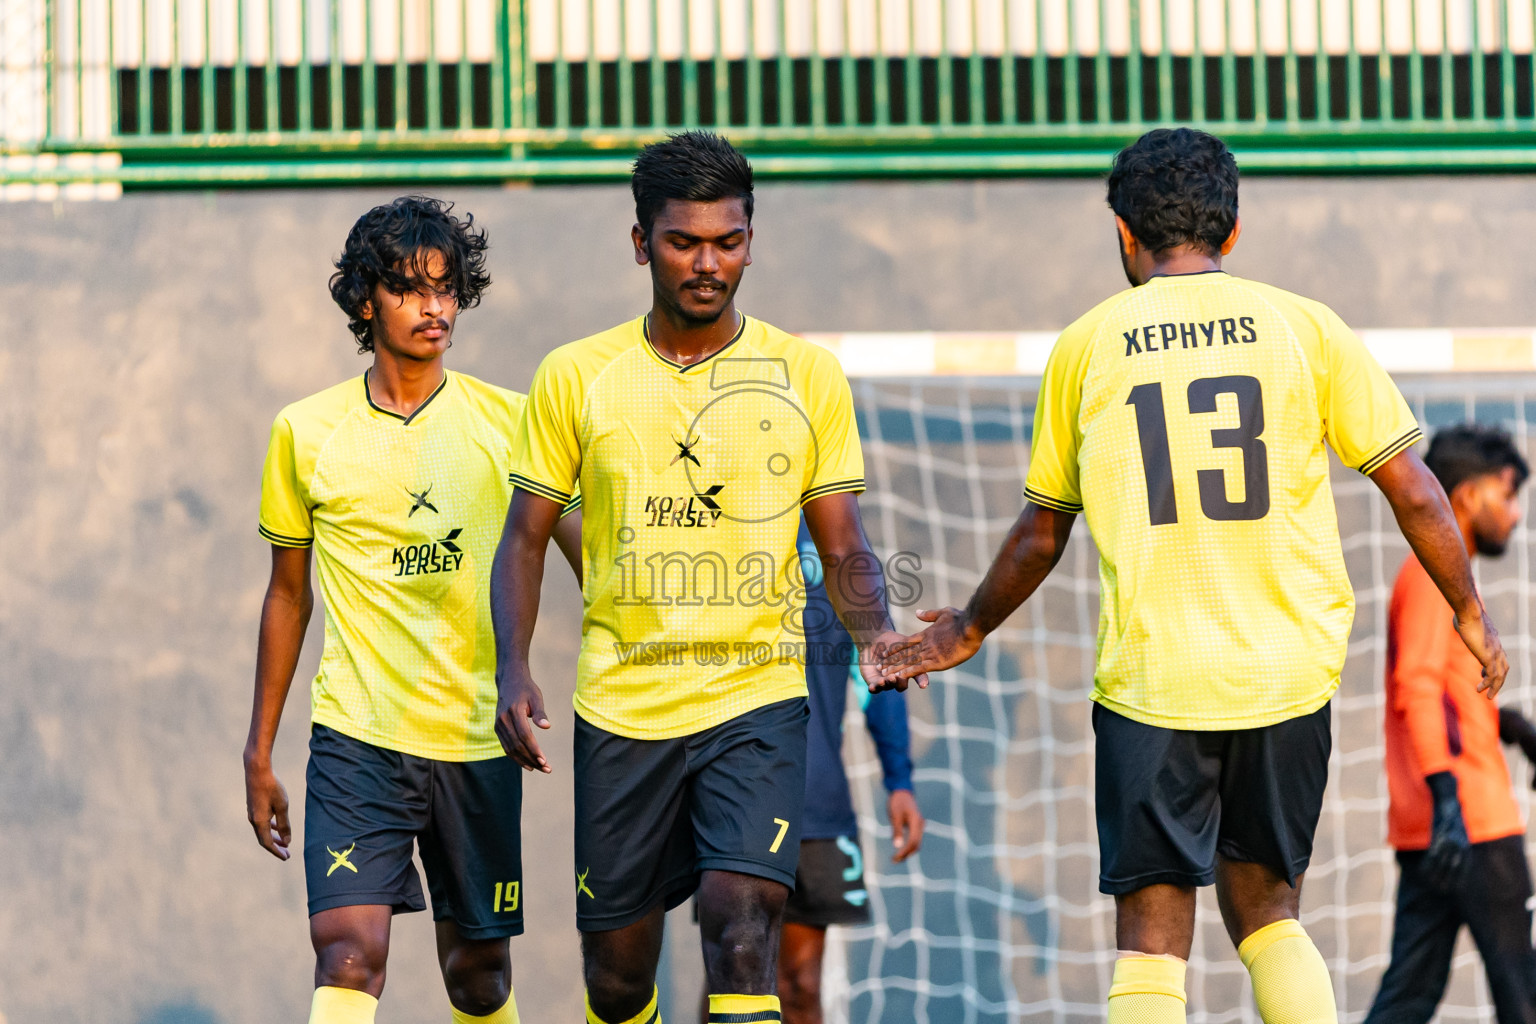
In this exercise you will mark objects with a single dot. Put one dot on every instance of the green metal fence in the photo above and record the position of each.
(287, 91)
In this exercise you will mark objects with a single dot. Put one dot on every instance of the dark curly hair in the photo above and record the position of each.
(701, 166)
(1470, 450)
(390, 245)
(1176, 186)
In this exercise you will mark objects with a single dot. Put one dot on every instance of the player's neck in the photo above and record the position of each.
(1181, 262)
(1468, 537)
(686, 341)
(401, 386)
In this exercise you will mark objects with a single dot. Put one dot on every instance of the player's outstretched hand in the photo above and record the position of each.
(945, 644)
(520, 708)
(872, 665)
(1446, 859)
(906, 824)
(266, 808)
(1482, 639)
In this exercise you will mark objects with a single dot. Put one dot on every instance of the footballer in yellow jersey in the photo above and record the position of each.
(397, 482)
(696, 436)
(1189, 418)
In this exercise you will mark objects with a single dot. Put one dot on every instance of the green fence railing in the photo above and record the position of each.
(273, 91)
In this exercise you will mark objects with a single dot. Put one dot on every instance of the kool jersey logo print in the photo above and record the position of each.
(419, 501)
(700, 509)
(436, 556)
(751, 437)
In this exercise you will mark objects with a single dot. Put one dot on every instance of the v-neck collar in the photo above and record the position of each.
(645, 334)
(405, 421)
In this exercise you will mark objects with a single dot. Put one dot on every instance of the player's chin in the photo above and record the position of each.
(704, 307)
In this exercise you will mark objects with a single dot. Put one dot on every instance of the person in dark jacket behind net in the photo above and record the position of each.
(829, 883)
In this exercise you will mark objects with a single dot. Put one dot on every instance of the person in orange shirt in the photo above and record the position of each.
(1453, 819)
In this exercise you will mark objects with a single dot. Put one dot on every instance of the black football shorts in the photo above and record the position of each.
(653, 815)
(1170, 800)
(367, 807)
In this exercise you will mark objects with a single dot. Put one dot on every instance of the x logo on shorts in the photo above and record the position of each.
(341, 860)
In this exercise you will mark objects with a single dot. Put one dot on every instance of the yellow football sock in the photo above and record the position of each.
(342, 1006)
(1147, 990)
(506, 1015)
(650, 1015)
(1290, 979)
(744, 1009)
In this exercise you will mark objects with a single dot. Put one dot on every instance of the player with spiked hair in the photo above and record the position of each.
(396, 481)
(1189, 417)
(697, 434)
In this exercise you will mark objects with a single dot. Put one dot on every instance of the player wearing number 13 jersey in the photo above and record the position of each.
(1190, 419)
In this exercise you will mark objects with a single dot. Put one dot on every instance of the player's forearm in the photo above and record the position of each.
(855, 584)
(886, 718)
(1425, 518)
(284, 619)
(854, 577)
(567, 538)
(1030, 551)
(516, 577)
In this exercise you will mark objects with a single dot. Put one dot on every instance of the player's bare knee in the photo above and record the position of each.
(1252, 896)
(478, 977)
(351, 961)
(800, 983)
(618, 987)
(742, 958)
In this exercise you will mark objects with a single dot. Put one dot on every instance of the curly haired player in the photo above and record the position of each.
(397, 481)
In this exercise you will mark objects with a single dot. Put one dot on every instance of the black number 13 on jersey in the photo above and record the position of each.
(1157, 463)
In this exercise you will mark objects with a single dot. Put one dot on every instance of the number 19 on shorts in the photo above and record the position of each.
(505, 900)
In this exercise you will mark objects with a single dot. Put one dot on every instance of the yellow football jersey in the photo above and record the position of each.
(1188, 419)
(404, 514)
(692, 478)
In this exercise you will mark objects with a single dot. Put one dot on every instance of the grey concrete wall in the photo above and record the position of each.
(147, 344)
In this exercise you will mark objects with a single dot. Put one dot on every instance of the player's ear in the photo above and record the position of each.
(1128, 243)
(748, 261)
(1464, 496)
(642, 251)
(1231, 242)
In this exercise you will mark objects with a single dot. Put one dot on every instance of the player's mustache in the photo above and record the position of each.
(704, 282)
(427, 325)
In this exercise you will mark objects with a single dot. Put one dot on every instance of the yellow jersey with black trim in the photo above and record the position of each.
(692, 478)
(404, 514)
(1190, 419)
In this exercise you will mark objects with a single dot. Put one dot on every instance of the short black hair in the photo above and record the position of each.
(1176, 186)
(1470, 450)
(390, 245)
(700, 166)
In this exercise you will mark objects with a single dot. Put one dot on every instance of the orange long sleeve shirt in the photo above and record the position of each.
(1437, 721)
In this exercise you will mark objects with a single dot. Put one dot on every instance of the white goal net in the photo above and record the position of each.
(999, 918)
